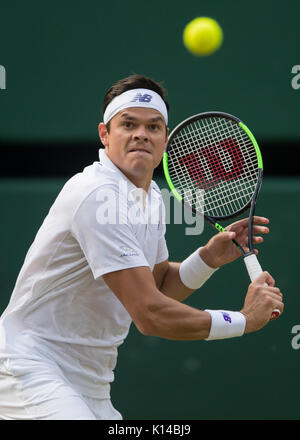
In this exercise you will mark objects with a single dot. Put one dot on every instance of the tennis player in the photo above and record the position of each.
(99, 261)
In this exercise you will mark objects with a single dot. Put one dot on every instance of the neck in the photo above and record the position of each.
(143, 182)
(140, 180)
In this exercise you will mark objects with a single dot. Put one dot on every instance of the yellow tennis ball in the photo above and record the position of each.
(202, 36)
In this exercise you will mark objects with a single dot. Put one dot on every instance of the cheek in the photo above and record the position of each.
(117, 144)
(159, 151)
(161, 145)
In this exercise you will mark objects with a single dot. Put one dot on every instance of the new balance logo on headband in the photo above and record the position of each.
(142, 98)
(135, 98)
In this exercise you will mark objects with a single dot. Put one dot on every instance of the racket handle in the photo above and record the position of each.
(254, 270)
(253, 267)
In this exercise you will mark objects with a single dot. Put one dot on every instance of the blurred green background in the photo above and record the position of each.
(60, 58)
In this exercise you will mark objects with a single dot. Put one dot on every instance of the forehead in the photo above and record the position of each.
(139, 114)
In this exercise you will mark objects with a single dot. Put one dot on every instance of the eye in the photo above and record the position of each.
(127, 124)
(154, 127)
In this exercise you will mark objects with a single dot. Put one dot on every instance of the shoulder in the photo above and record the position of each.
(85, 185)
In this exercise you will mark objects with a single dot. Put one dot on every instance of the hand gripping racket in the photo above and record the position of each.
(215, 155)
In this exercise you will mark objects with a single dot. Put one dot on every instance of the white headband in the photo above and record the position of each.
(135, 98)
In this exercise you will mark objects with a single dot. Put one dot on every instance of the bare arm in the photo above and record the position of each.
(167, 279)
(153, 312)
(156, 314)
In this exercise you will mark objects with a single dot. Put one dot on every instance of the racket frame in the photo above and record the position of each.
(252, 202)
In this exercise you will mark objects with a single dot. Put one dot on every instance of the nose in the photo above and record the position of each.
(140, 134)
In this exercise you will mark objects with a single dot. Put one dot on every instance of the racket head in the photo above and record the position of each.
(213, 164)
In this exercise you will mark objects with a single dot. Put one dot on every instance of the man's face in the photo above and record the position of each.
(135, 142)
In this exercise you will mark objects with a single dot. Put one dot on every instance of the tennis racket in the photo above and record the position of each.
(215, 155)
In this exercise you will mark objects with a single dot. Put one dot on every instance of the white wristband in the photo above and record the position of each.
(194, 272)
(226, 324)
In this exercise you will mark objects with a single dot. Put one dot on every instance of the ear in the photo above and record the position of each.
(167, 134)
(103, 134)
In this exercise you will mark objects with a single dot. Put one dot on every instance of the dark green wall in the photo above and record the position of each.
(61, 57)
(253, 377)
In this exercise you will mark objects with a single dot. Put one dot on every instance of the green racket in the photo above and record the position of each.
(215, 155)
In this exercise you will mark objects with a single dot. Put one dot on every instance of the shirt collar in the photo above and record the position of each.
(105, 160)
(133, 190)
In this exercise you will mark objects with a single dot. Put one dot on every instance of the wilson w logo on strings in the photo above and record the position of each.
(213, 164)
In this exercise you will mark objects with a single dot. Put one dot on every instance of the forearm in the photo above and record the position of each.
(167, 318)
(153, 312)
(172, 285)
(156, 314)
(170, 319)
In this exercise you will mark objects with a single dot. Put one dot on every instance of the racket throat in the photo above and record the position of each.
(252, 210)
(221, 229)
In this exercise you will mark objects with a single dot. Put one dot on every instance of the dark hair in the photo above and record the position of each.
(134, 81)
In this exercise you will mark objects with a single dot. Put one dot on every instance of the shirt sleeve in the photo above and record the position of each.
(162, 250)
(107, 244)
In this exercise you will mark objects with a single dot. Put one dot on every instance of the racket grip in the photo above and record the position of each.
(254, 270)
(253, 267)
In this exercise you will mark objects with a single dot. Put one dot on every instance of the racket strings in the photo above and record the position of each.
(213, 163)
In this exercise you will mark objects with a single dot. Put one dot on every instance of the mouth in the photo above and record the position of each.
(139, 151)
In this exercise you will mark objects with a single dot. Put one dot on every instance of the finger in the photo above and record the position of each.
(269, 279)
(242, 235)
(238, 225)
(243, 223)
(275, 291)
(278, 305)
(257, 240)
(263, 220)
(244, 240)
(275, 314)
(263, 278)
(260, 230)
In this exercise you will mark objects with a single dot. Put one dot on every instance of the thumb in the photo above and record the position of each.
(227, 235)
(264, 278)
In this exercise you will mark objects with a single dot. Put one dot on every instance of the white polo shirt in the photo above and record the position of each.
(61, 311)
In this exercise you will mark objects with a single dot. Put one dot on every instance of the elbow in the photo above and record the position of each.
(148, 322)
(146, 326)
(145, 329)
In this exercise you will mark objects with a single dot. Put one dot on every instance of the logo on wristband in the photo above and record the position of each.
(226, 317)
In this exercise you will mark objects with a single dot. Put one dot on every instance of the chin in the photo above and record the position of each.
(144, 162)
(140, 169)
